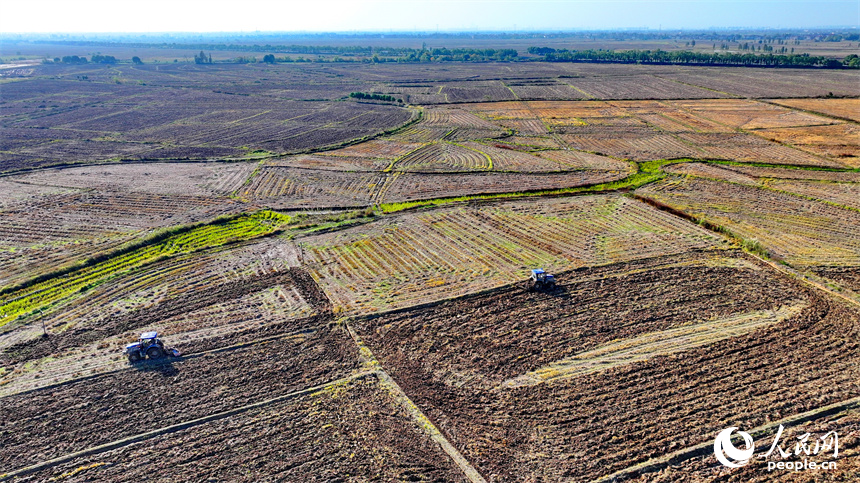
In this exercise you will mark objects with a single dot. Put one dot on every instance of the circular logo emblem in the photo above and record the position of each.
(726, 452)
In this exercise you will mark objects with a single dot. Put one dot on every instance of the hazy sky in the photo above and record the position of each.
(346, 15)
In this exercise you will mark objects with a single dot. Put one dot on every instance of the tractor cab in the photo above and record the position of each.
(149, 338)
(149, 345)
(540, 280)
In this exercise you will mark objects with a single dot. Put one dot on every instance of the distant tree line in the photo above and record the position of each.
(374, 97)
(457, 55)
(686, 57)
(96, 59)
(71, 59)
(103, 59)
(409, 55)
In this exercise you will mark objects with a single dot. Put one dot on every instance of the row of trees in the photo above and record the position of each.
(408, 55)
(374, 97)
(685, 57)
(96, 59)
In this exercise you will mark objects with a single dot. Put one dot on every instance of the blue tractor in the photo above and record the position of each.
(149, 345)
(540, 281)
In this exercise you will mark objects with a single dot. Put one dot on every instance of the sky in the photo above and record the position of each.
(42, 16)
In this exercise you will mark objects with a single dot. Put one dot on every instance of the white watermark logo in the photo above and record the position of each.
(731, 456)
(725, 451)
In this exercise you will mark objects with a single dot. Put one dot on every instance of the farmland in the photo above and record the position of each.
(344, 276)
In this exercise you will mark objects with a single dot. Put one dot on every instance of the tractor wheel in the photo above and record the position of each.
(133, 356)
(155, 353)
(538, 286)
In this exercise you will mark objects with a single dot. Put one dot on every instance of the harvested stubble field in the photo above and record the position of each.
(359, 312)
(843, 108)
(801, 231)
(18, 302)
(731, 129)
(762, 173)
(423, 257)
(94, 121)
(55, 229)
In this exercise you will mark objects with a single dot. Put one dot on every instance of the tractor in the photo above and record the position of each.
(149, 346)
(540, 281)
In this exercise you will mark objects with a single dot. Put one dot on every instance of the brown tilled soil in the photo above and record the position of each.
(485, 339)
(849, 277)
(351, 432)
(51, 422)
(845, 424)
(595, 424)
(450, 358)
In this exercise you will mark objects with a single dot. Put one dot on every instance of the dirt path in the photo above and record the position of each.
(414, 411)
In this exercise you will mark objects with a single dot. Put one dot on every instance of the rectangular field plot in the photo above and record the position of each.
(44, 233)
(844, 108)
(707, 128)
(752, 149)
(788, 173)
(353, 428)
(281, 186)
(582, 160)
(199, 179)
(421, 257)
(376, 149)
(801, 231)
(546, 92)
(453, 360)
(639, 87)
(745, 114)
(109, 407)
(845, 194)
(712, 171)
(452, 117)
(180, 280)
(840, 142)
(769, 83)
(414, 186)
(635, 146)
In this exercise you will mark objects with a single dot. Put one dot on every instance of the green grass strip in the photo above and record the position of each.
(648, 172)
(780, 166)
(32, 298)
